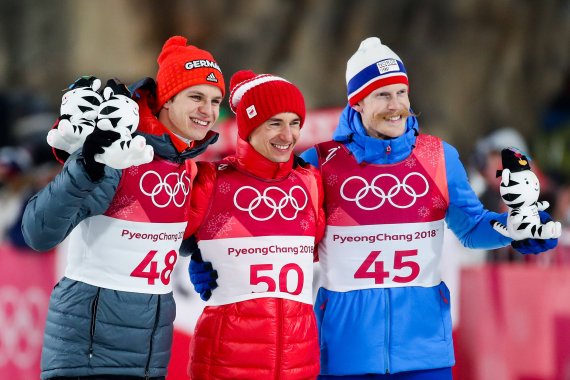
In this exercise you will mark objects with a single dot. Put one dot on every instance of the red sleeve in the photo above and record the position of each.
(200, 196)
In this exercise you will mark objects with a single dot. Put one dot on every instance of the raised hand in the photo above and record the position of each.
(119, 113)
(95, 144)
(78, 111)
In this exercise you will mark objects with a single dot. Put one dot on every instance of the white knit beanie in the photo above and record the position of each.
(372, 66)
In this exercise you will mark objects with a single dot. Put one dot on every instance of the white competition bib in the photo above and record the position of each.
(124, 255)
(381, 256)
(258, 267)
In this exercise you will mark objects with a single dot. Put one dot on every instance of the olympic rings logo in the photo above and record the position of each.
(381, 194)
(172, 185)
(21, 325)
(286, 199)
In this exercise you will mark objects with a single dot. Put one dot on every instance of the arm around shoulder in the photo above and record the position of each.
(310, 156)
(199, 203)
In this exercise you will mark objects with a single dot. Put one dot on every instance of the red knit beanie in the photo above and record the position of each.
(255, 98)
(181, 66)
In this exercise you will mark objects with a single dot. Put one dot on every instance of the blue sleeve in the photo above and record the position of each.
(466, 217)
(52, 213)
(310, 156)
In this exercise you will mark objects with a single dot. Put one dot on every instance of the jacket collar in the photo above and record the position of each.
(351, 132)
(249, 160)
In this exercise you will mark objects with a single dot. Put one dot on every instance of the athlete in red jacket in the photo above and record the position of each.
(257, 216)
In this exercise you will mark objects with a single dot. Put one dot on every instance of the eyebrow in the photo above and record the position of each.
(196, 92)
(283, 120)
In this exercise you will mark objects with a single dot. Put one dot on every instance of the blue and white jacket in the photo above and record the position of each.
(396, 329)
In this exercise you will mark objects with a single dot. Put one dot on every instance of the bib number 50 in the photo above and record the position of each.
(255, 277)
(402, 259)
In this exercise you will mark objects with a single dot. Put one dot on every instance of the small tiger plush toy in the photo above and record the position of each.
(119, 113)
(78, 111)
(520, 189)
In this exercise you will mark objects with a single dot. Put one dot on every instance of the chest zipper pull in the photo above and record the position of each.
(388, 149)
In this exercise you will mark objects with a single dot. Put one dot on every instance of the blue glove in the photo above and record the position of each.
(535, 246)
(202, 275)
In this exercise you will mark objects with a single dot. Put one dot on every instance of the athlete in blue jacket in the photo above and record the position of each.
(383, 310)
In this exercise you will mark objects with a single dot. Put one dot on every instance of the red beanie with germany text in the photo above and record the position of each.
(181, 66)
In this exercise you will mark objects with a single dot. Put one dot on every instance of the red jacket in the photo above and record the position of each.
(268, 337)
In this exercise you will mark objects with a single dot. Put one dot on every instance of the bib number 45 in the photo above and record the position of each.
(371, 268)
(148, 267)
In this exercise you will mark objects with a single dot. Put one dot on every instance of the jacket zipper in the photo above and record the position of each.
(387, 331)
(94, 306)
(146, 368)
(279, 338)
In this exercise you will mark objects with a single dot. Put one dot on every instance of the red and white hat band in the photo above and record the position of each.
(242, 88)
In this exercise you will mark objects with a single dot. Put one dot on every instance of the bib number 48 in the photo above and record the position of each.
(148, 267)
(371, 268)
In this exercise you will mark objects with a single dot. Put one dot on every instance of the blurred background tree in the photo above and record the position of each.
(474, 65)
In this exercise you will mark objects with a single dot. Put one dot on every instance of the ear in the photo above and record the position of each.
(505, 177)
(167, 104)
(357, 107)
(107, 93)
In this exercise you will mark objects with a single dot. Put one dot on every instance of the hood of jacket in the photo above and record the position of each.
(352, 134)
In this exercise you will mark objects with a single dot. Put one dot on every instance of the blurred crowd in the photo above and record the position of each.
(550, 153)
(26, 162)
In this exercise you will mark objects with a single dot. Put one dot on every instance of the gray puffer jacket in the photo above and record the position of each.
(93, 330)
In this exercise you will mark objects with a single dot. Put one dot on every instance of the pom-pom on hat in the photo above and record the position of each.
(372, 66)
(255, 98)
(514, 160)
(181, 66)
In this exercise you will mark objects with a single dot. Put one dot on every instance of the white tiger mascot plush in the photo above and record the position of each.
(520, 189)
(78, 111)
(119, 113)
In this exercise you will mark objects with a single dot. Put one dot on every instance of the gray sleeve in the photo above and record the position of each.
(69, 198)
